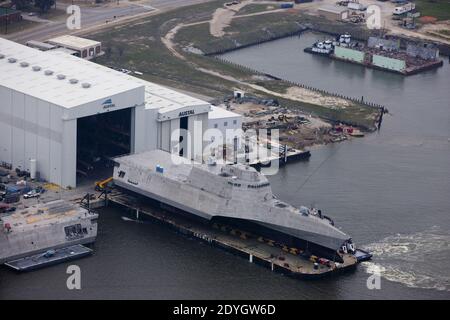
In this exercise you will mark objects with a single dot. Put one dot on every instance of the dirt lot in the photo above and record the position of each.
(296, 129)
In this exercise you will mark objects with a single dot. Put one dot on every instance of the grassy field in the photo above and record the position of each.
(255, 29)
(436, 8)
(138, 46)
(242, 31)
(256, 7)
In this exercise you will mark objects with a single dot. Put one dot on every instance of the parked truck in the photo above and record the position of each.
(353, 5)
(12, 197)
(407, 7)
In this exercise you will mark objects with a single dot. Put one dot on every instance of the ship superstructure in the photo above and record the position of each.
(41, 227)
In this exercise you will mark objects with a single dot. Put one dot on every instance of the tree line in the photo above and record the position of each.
(43, 5)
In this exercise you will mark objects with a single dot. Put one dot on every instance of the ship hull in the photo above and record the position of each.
(216, 190)
(301, 239)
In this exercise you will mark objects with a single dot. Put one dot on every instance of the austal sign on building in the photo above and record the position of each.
(186, 113)
(108, 104)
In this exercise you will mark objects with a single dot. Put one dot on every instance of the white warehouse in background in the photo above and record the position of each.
(83, 48)
(223, 120)
(59, 114)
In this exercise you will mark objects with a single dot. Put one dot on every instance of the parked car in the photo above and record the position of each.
(32, 194)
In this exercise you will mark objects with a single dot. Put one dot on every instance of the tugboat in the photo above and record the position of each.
(324, 48)
(345, 40)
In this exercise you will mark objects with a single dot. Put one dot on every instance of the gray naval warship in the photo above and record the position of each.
(233, 194)
(43, 227)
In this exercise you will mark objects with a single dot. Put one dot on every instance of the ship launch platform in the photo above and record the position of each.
(49, 257)
(256, 249)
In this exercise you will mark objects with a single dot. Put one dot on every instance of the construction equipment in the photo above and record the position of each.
(101, 185)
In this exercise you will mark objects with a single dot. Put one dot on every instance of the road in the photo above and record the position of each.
(92, 17)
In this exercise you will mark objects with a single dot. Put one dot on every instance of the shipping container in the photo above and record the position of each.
(17, 189)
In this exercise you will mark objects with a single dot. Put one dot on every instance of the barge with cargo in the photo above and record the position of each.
(380, 53)
(198, 198)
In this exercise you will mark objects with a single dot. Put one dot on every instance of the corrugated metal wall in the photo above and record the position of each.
(197, 125)
(349, 54)
(31, 129)
(388, 63)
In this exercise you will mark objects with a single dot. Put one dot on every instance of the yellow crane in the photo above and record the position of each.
(100, 185)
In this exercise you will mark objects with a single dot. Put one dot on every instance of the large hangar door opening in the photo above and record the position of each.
(100, 137)
(183, 140)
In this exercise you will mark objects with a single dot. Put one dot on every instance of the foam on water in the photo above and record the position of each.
(132, 220)
(416, 260)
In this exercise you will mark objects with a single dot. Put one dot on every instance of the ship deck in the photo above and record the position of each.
(42, 214)
(232, 240)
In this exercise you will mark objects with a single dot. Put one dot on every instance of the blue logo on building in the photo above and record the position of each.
(108, 104)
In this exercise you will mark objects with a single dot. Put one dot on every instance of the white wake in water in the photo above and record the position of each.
(131, 220)
(419, 260)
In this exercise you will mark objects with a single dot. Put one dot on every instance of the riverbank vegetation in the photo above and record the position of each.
(439, 9)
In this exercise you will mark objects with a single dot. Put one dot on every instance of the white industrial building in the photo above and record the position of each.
(228, 122)
(65, 113)
(333, 13)
(82, 47)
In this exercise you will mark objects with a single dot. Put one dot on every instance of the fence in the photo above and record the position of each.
(301, 85)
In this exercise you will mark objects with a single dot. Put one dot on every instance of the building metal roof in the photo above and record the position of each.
(46, 76)
(333, 9)
(40, 45)
(65, 50)
(104, 82)
(221, 113)
(73, 42)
